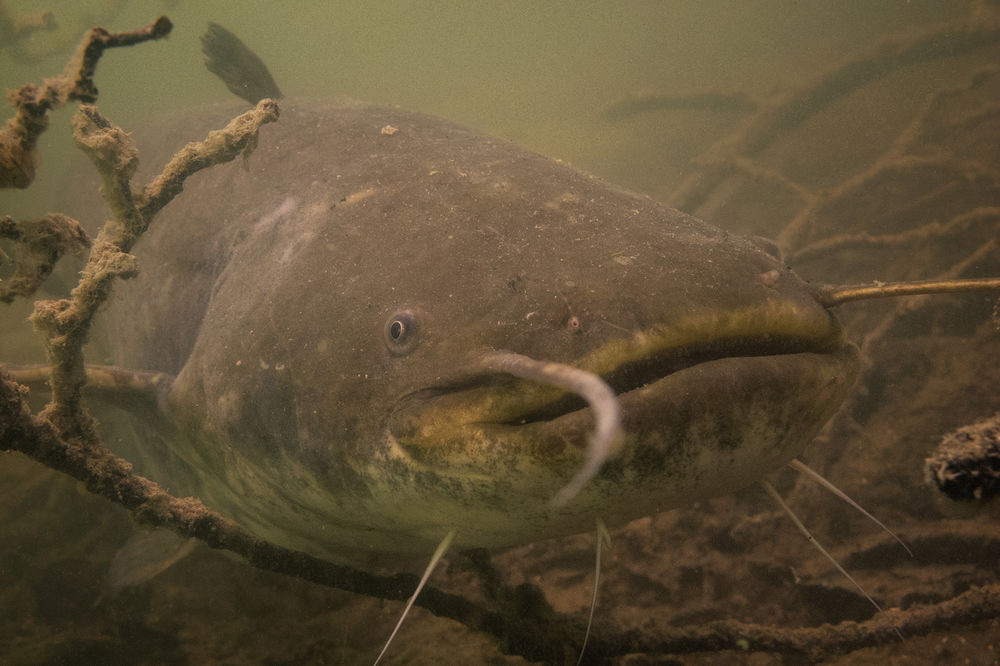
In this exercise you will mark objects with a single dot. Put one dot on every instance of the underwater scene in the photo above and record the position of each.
(554, 291)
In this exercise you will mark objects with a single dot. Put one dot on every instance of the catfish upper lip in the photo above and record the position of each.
(642, 372)
(483, 397)
(772, 327)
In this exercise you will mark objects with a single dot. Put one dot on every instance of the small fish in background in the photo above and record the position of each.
(243, 72)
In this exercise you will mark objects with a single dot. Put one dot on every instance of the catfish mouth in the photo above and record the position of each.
(660, 358)
(643, 372)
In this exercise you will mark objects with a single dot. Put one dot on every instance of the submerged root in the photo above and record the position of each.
(19, 136)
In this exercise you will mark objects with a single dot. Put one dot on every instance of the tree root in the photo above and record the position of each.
(928, 233)
(19, 136)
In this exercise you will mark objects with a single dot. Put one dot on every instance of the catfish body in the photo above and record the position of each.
(325, 307)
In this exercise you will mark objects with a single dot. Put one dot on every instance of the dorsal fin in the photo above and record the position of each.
(243, 72)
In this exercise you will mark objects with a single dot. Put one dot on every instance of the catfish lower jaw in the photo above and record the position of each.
(703, 431)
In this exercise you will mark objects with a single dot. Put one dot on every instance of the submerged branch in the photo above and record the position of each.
(817, 643)
(108, 379)
(711, 100)
(239, 137)
(831, 295)
(886, 56)
(66, 322)
(787, 112)
(19, 136)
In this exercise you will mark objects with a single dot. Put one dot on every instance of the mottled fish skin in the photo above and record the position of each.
(270, 289)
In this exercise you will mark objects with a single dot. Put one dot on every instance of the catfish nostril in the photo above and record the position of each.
(769, 278)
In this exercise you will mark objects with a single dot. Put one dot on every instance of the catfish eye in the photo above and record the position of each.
(401, 332)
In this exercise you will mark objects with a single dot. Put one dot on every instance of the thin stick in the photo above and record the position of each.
(832, 295)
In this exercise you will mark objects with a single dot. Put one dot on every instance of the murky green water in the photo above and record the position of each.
(543, 75)
(539, 74)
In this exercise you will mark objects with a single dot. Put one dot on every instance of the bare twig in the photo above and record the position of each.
(20, 134)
